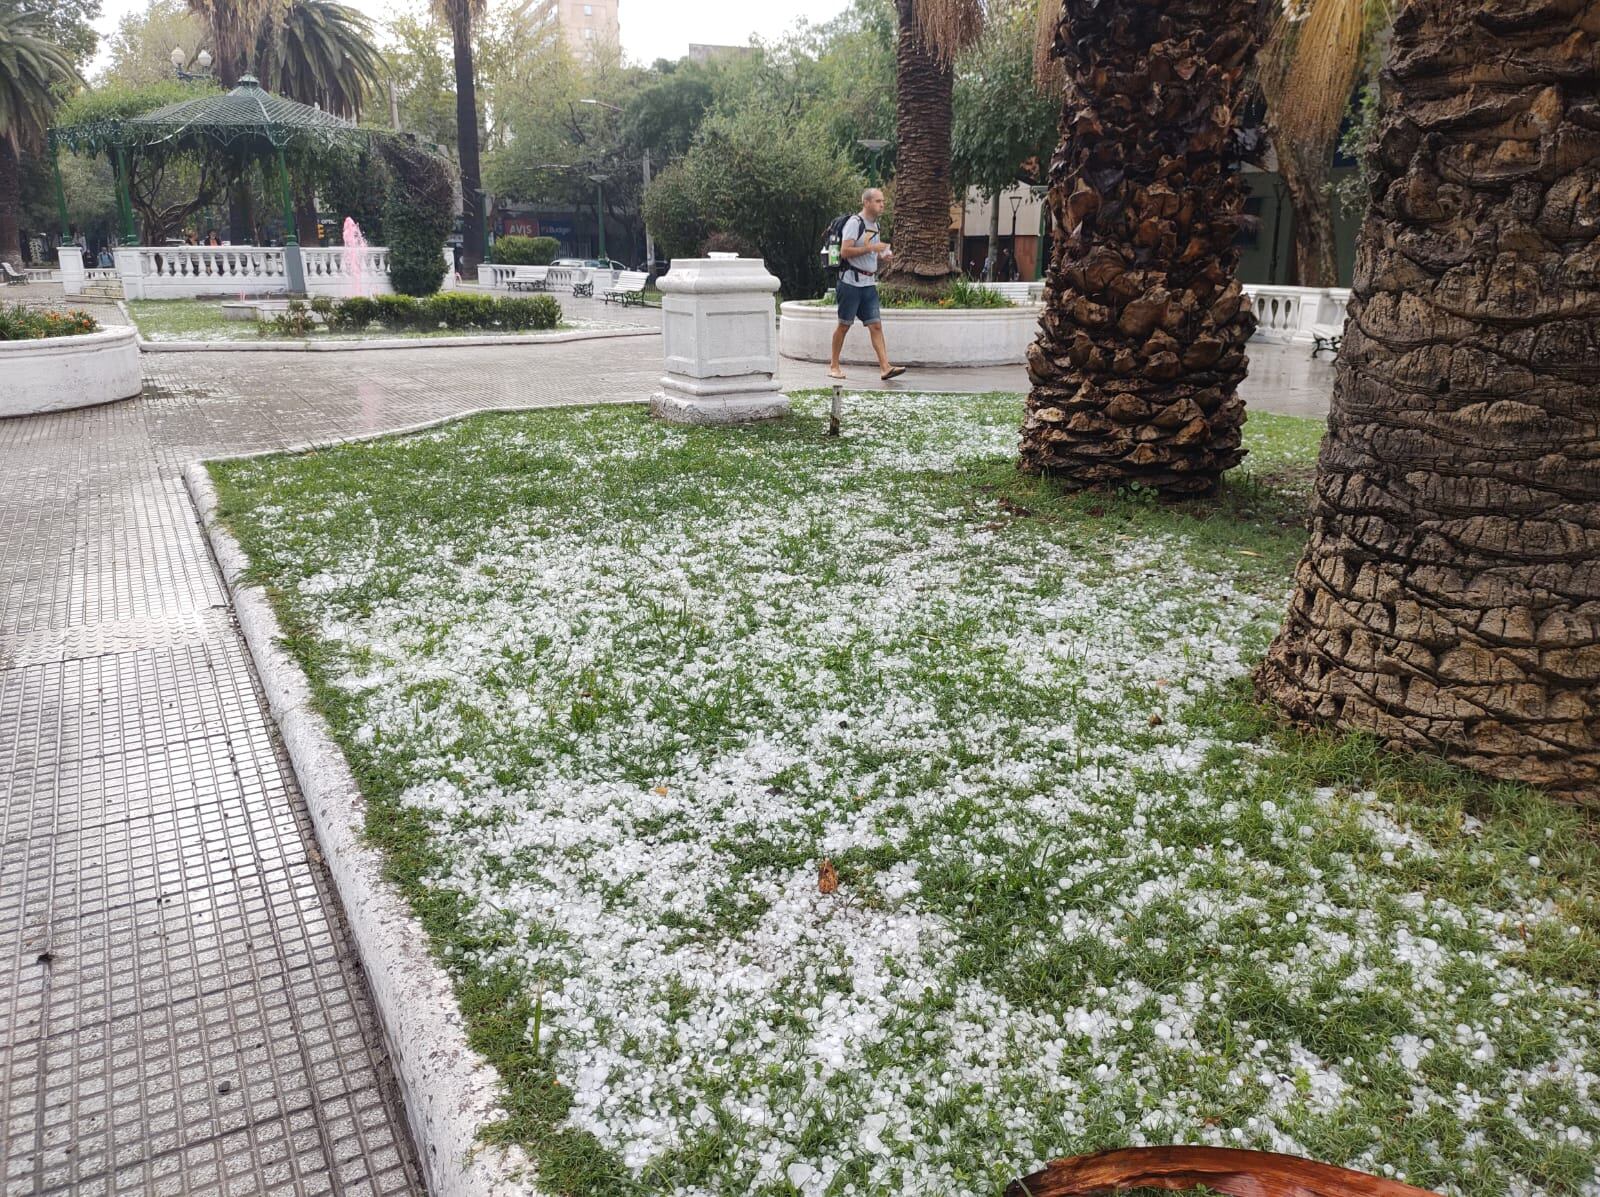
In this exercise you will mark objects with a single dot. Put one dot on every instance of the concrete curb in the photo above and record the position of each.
(450, 1092)
(557, 338)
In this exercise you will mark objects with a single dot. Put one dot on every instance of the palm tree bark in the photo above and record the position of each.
(1305, 173)
(1449, 599)
(467, 137)
(1141, 348)
(10, 205)
(922, 194)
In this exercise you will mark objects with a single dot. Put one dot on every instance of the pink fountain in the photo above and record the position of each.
(354, 260)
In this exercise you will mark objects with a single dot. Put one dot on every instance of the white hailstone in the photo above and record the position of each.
(1269, 808)
(1533, 862)
(1291, 918)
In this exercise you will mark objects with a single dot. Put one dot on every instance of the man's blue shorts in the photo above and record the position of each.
(858, 303)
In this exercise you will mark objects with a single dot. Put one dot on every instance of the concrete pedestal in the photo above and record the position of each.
(721, 343)
(70, 259)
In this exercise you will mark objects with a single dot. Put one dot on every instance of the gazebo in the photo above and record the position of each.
(246, 123)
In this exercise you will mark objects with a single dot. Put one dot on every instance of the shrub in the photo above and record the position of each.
(417, 215)
(460, 311)
(322, 305)
(18, 323)
(538, 313)
(397, 312)
(526, 251)
(297, 320)
(353, 315)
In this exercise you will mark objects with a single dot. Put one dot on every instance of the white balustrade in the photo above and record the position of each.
(1289, 314)
(341, 273)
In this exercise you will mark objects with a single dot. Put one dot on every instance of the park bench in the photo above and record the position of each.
(1329, 337)
(528, 278)
(579, 278)
(628, 288)
(12, 274)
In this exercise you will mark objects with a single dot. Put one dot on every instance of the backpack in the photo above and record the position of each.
(833, 242)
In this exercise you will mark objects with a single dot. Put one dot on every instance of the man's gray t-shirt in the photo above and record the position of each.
(861, 271)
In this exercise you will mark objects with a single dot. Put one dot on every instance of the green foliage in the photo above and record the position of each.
(354, 185)
(1001, 119)
(319, 52)
(453, 310)
(767, 183)
(297, 320)
(33, 70)
(65, 24)
(141, 47)
(18, 323)
(526, 251)
(1359, 140)
(417, 214)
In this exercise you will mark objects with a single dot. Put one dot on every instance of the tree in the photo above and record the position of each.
(141, 47)
(1309, 67)
(1448, 600)
(460, 15)
(1141, 347)
(166, 189)
(1002, 118)
(320, 52)
(930, 35)
(32, 70)
(772, 186)
(235, 27)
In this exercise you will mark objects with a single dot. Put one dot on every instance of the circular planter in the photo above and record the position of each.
(58, 373)
(916, 337)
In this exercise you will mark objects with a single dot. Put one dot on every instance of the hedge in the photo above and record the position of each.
(537, 313)
(526, 251)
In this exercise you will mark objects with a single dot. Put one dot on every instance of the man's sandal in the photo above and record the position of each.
(892, 372)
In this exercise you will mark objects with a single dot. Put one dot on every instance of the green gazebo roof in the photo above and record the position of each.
(262, 121)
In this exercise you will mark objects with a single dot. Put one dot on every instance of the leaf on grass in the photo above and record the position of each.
(1220, 1169)
(1248, 553)
(827, 876)
(662, 790)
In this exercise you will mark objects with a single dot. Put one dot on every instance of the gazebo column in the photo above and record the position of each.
(294, 265)
(130, 235)
(61, 193)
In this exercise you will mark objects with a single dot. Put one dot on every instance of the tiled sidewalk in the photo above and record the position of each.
(180, 1008)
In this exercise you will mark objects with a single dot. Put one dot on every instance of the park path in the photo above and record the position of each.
(181, 1009)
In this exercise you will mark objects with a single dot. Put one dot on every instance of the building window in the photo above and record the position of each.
(588, 35)
(588, 10)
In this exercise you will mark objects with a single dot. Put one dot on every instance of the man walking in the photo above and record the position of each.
(862, 253)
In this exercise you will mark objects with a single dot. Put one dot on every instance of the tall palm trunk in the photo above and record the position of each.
(10, 205)
(1449, 599)
(467, 137)
(1141, 348)
(922, 195)
(1305, 174)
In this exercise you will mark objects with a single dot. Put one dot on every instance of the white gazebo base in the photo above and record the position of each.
(719, 401)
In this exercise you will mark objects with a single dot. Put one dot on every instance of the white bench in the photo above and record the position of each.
(579, 278)
(1328, 337)
(11, 274)
(628, 288)
(528, 278)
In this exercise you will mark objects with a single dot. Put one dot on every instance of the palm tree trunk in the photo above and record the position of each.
(1449, 599)
(1305, 173)
(467, 138)
(922, 195)
(1141, 348)
(10, 206)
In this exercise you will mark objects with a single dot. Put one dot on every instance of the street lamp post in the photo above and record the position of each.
(179, 60)
(874, 146)
(600, 210)
(649, 238)
(1016, 205)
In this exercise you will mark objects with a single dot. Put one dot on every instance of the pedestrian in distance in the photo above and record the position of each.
(863, 253)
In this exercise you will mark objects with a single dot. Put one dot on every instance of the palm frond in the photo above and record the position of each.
(949, 26)
(1048, 74)
(1311, 62)
(32, 69)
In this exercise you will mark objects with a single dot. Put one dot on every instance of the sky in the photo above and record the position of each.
(651, 29)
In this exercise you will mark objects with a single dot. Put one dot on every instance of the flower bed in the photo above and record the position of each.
(857, 817)
(54, 361)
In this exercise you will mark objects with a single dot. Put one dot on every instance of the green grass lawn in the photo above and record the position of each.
(621, 695)
(202, 320)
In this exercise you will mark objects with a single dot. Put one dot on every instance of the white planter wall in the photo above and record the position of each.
(926, 337)
(59, 373)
